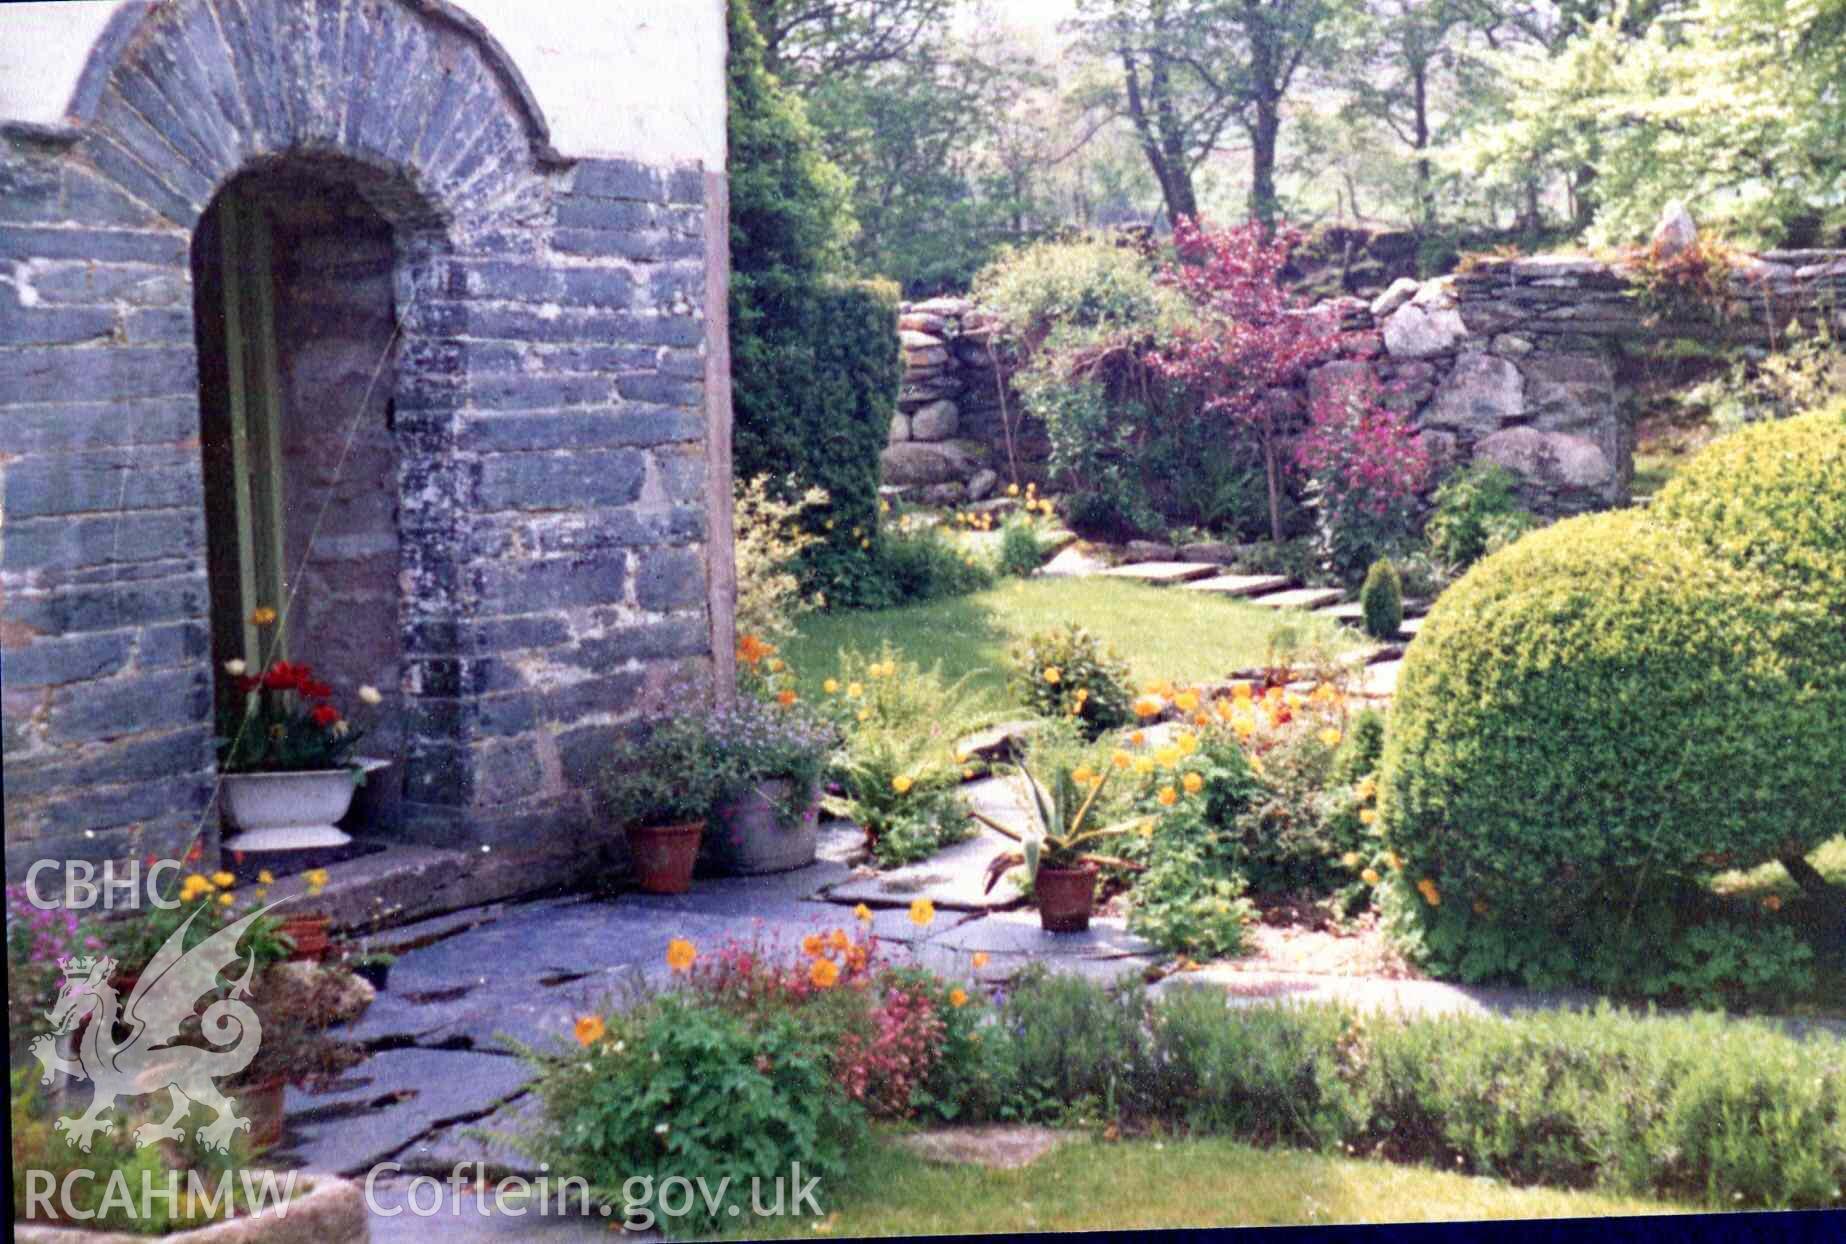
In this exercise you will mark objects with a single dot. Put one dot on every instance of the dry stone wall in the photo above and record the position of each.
(1513, 362)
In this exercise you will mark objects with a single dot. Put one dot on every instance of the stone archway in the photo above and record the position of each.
(548, 410)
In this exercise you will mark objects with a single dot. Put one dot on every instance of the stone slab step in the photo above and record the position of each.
(1300, 598)
(1160, 572)
(1073, 562)
(1240, 584)
(1380, 681)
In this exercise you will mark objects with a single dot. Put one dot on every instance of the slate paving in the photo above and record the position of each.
(1239, 584)
(1298, 598)
(1159, 572)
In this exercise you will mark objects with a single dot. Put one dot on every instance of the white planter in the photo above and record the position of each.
(290, 811)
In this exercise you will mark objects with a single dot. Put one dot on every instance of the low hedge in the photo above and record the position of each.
(1772, 498)
(1602, 707)
(1729, 1113)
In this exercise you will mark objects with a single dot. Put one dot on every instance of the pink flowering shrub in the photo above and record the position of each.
(1366, 467)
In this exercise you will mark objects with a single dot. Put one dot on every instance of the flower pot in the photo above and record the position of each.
(747, 837)
(309, 933)
(288, 811)
(375, 973)
(1065, 898)
(662, 856)
(263, 1104)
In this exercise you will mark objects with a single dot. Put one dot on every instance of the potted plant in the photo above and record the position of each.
(1062, 873)
(657, 788)
(295, 1005)
(285, 754)
(767, 760)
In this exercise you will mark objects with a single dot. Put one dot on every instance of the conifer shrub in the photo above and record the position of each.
(1381, 600)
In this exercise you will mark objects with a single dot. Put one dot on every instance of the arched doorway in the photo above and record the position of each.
(294, 299)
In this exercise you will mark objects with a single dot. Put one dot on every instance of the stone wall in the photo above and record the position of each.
(544, 445)
(1513, 361)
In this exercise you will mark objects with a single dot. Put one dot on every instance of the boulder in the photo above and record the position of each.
(911, 339)
(1401, 291)
(913, 462)
(1480, 395)
(1149, 551)
(942, 306)
(982, 485)
(1675, 232)
(1414, 331)
(900, 429)
(1554, 460)
(931, 358)
(951, 493)
(1211, 553)
(937, 421)
(1569, 392)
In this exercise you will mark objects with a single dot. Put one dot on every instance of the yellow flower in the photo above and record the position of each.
(1367, 816)
(316, 879)
(371, 695)
(902, 784)
(865, 714)
(1167, 796)
(1083, 693)
(831, 686)
(1244, 728)
(589, 1029)
(922, 911)
(1121, 759)
(862, 913)
(854, 690)
(266, 877)
(1293, 700)
(1187, 701)
(958, 997)
(227, 898)
(1193, 783)
(223, 879)
(1187, 743)
(1082, 775)
(1053, 674)
(1350, 859)
(980, 959)
(1396, 863)
(967, 775)
(1256, 765)
(1368, 788)
(263, 617)
(1012, 490)
(1241, 691)
(1168, 756)
(681, 954)
(825, 973)
(1370, 876)
(1149, 706)
(1330, 737)
(1143, 765)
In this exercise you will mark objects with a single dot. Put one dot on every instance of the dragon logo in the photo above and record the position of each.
(147, 1060)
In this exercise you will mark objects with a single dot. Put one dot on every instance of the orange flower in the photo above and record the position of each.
(1431, 895)
(813, 946)
(958, 997)
(1773, 903)
(838, 939)
(681, 954)
(825, 973)
(589, 1029)
(750, 649)
(786, 698)
(1193, 783)
(1167, 796)
(980, 959)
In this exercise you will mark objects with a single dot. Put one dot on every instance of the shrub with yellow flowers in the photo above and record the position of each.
(1067, 674)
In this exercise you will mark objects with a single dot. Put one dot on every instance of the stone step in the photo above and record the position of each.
(1160, 572)
(1073, 562)
(1240, 584)
(1300, 598)
(1380, 681)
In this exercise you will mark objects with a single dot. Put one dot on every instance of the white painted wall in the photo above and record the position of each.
(637, 78)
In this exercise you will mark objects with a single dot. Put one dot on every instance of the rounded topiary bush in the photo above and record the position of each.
(1601, 708)
(1771, 497)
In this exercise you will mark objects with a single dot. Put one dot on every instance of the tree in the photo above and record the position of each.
(1190, 69)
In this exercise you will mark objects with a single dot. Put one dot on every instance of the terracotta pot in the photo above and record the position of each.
(662, 856)
(1065, 898)
(309, 933)
(264, 1105)
(746, 838)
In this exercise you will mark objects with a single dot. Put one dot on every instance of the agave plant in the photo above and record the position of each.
(1059, 839)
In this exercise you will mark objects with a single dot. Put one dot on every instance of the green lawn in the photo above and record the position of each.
(1087, 1185)
(1163, 633)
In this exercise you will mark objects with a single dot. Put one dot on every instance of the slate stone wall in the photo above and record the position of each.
(547, 421)
(1514, 361)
